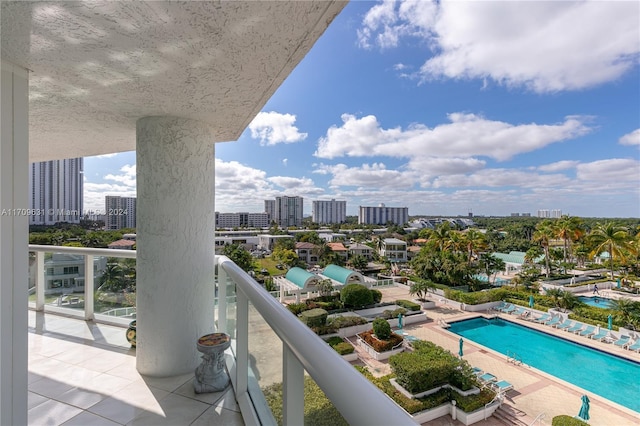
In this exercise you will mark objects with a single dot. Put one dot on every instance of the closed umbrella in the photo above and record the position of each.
(584, 409)
(400, 321)
(460, 348)
(531, 301)
(610, 322)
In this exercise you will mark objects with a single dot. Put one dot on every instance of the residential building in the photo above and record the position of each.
(360, 249)
(65, 273)
(285, 211)
(56, 191)
(381, 215)
(340, 250)
(307, 252)
(329, 211)
(242, 220)
(394, 250)
(267, 241)
(120, 212)
(122, 244)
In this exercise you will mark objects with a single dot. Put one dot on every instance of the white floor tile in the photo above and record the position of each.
(176, 410)
(89, 419)
(51, 413)
(169, 384)
(49, 387)
(81, 398)
(33, 400)
(217, 416)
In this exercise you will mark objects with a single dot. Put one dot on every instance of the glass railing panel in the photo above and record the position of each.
(31, 288)
(114, 287)
(265, 358)
(64, 281)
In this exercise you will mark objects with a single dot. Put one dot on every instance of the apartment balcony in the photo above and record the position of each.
(82, 370)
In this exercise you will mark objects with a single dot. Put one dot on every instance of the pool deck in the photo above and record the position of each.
(535, 391)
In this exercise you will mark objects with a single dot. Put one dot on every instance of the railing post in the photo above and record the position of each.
(222, 300)
(88, 287)
(292, 388)
(242, 342)
(40, 282)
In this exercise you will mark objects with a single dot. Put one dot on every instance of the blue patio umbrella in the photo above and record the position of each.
(400, 321)
(531, 301)
(610, 322)
(460, 348)
(584, 409)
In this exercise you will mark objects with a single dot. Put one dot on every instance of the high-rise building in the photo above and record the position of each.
(242, 219)
(556, 213)
(329, 211)
(120, 212)
(381, 215)
(285, 211)
(544, 213)
(56, 191)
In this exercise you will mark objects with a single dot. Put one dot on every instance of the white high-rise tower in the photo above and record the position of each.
(56, 191)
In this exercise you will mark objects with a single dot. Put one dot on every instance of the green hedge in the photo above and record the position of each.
(565, 420)
(344, 348)
(388, 314)
(356, 296)
(412, 306)
(297, 308)
(381, 328)
(347, 321)
(314, 317)
(376, 294)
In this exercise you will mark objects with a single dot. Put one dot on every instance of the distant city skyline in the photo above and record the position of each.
(444, 107)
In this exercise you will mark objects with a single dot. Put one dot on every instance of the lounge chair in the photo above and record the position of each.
(509, 309)
(518, 311)
(601, 335)
(576, 327)
(635, 346)
(502, 386)
(525, 315)
(622, 341)
(590, 330)
(477, 371)
(565, 324)
(553, 321)
(487, 378)
(501, 306)
(542, 318)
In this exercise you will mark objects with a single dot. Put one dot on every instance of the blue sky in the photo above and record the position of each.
(445, 108)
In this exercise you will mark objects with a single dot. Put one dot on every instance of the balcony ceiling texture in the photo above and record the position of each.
(97, 67)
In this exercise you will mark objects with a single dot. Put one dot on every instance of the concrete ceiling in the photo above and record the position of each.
(96, 67)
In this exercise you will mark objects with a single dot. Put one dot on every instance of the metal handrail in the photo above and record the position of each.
(83, 251)
(359, 401)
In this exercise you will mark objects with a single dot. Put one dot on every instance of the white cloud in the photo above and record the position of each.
(273, 128)
(127, 178)
(558, 166)
(632, 138)
(367, 176)
(466, 135)
(106, 155)
(285, 161)
(544, 46)
(614, 172)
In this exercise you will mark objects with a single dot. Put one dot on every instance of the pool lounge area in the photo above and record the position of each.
(596, 371)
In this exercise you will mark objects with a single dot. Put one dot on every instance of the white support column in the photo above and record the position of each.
(88, 287)
(14, 238)
(292, 388)
(40, 281)
(175, 225)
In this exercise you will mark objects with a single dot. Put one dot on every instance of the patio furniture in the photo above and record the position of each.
(577, 326)
(502, 386)
(591, 329)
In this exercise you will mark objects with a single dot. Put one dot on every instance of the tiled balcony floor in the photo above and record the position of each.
(84, 374)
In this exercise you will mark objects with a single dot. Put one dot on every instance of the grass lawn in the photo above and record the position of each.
(270, 265)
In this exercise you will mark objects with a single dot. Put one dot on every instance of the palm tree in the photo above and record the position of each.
(438, 238)
(111, 277)
(570, 230)
(474, 241)
(543, 235)
(612, 238)
(421, 288)
(627, 310)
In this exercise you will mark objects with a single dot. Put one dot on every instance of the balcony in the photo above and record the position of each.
(83, 371)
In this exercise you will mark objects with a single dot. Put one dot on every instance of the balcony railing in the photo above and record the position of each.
(269, 344)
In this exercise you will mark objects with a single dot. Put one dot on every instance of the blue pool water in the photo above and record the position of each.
(598, 302)
(606, 375)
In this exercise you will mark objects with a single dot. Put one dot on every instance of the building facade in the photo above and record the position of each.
(242, 220)
(120, 212)
(329, 211)
(285, 211)
(381, 215)
(56, 191)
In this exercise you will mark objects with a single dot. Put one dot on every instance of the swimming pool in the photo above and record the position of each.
(598, 302)
(606, 375)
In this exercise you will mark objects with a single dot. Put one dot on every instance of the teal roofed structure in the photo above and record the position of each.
(301, 278)
(342, 275)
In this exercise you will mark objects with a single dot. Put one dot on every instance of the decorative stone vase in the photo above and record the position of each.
(131, 334)
(211, 375)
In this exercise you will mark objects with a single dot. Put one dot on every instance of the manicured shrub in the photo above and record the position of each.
(564, 420)
(377, 295)
(381, 328)
(356, 296)
(321, 330)
(412, 306)
(344, 348)
(473, 402)
(334, 340)
(347, 321)
(314, 317)
(297, 308)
